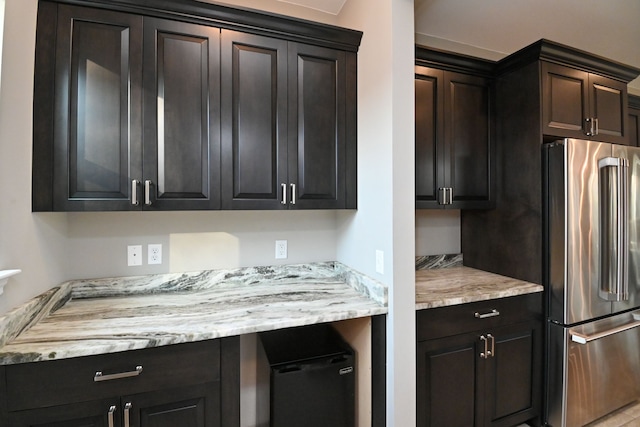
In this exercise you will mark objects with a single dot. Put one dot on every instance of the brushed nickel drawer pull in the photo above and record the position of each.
(492, 313)
(100, 377)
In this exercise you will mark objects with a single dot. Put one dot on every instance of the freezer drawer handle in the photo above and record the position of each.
(100, 377)
(492, 313)
(584, 339)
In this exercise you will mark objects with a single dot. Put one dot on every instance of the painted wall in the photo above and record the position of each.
(385, 218)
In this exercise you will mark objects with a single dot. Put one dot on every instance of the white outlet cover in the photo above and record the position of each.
(154, 254)
(281, 249)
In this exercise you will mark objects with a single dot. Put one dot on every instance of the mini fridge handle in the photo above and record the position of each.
(614, 218)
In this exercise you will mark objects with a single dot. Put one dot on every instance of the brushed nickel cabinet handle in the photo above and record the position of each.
(112, 409)
(283, 201)
(492, 313)
(134, 192)
(293, 194)
(484, 354)
(100, 377)
(492, 352)
(127, 408)
(147, 192)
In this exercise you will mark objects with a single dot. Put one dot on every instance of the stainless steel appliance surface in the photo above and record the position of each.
(592, 254)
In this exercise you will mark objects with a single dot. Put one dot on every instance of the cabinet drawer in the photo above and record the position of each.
(41, 384)
(446, 321)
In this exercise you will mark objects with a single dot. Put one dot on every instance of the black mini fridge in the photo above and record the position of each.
(312, 377)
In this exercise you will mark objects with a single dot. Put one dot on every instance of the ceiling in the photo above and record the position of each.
(493, 29)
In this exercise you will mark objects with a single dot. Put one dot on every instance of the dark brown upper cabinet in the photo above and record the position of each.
(453, 140)
(579, 104)
(182, 105)
(634, 120)
(284, 140)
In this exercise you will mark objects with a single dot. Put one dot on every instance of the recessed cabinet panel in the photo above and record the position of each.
(97, 131)
(467, 131)
(254, 120)
(181, 140)
(429, 129)
(447, 382)
(566, 100)
(510, 378)
(316, 125)
(608, 106)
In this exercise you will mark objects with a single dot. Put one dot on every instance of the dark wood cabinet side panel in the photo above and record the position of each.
(634, 127)
(254, 120)
(230, 381)
(316, 141)
(429, 129)
(97, 109)
(43, 102)
(350, 165)
(508, 239)
(182, 115)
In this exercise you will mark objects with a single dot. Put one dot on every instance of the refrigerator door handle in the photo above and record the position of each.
(614, 235)
(584, 339)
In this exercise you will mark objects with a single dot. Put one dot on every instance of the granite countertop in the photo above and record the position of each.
(443, 282)
(87, 317)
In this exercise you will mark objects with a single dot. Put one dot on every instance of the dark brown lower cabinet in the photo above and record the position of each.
(489, 377)
(195, 406)
(178, 385)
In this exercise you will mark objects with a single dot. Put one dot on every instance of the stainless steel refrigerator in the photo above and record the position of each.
(592, 255)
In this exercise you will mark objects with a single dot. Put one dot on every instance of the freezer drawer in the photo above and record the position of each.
(594, 369)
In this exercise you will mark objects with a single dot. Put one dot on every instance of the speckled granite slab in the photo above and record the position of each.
(458, 285)
(89, 317)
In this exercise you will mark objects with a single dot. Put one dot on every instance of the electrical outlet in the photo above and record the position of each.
(134, 255)
(281, 249)
(154, 254)
(379, 262)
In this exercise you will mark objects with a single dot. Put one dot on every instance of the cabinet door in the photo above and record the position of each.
(512, 386)
(181, 115)
(429, 128)
(447, 381)
(97, 125)
(96, 413)
(608, 103)
(565, 101)
(634, 127)
(316, 127)
(254, 130)
(194, 406)
(467, 147)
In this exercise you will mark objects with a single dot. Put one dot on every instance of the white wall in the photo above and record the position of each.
(36, 244)
(437, 232)
(385, 217)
